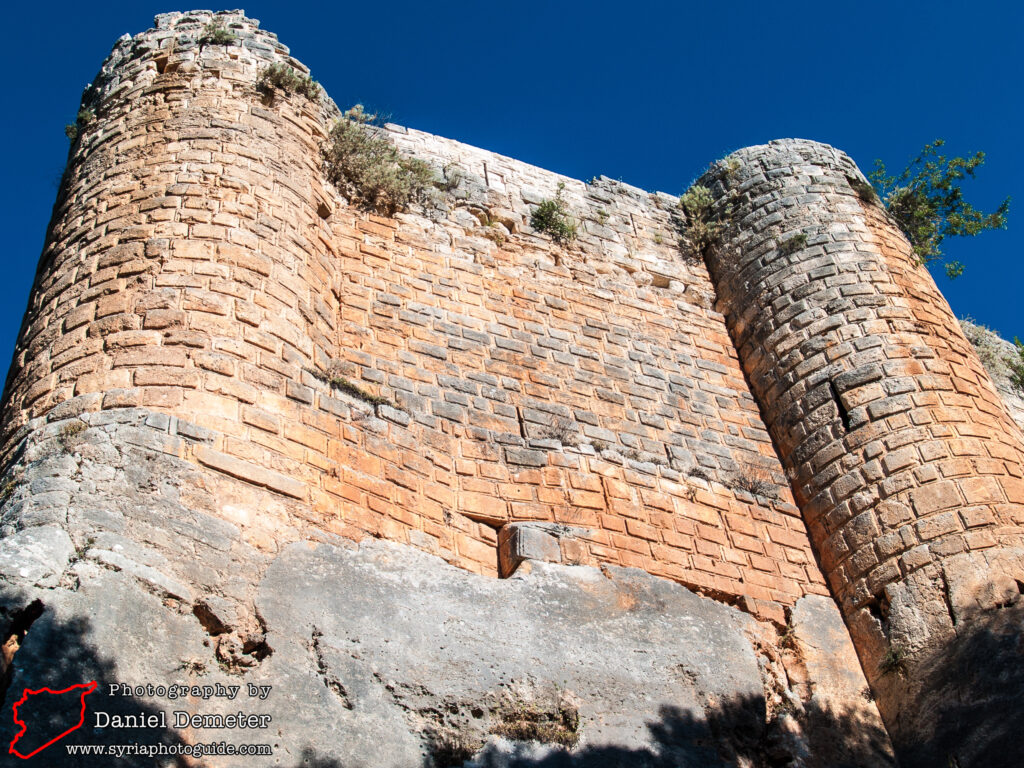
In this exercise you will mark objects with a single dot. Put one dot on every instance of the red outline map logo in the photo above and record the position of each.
(87, 688)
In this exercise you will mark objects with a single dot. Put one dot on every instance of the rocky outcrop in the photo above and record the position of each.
(377, 654)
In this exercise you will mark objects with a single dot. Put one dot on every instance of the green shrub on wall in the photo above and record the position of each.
(284, 78)
(552, 218)
(369, 169)
(927, 203)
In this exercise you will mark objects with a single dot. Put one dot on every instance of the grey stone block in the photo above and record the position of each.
(36, 556)
(521, 541)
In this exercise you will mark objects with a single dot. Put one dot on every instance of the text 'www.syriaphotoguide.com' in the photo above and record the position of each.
(164, 750)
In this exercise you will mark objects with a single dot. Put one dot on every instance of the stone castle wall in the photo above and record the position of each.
(200, 265)
(227, 374)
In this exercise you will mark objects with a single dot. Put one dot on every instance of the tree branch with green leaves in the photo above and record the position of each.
(927, 203)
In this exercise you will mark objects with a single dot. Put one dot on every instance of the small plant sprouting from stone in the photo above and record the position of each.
(341, 384)
(523, 721)
(491, 229)
(496, 236)
(702, 227)
(7, 490)
(284, 78)
(84, 547)
(70, 432)
(864, 190)
(552, 218)
(192, 666)
(698, 472)
(602, 216)
(792, 245)
(1016, 365)
(366, 167)
(894, 661)
(562, 430)
(451, 176)
(787, 638)
(756, 481)
(641, 456)
(215, 33)
(85, 116)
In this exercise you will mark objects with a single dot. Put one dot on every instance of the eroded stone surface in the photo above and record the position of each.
(378, 655)
(375, 652)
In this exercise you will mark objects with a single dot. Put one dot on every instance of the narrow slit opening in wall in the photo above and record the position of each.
(496, 526)
(844, 415)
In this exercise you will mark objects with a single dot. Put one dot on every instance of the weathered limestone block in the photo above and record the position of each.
(36, 556)
(518, 542)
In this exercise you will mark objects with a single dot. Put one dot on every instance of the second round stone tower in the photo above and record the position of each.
(902, 457)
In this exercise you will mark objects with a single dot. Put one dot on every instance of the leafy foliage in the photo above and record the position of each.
(552, 217)
(369, 169)
(864, 191)
(793, 244)
(215, 33)
(85, 116)
(927, 203)
(701, 226)
(894, 661)
(283, 77)
(1016, 365)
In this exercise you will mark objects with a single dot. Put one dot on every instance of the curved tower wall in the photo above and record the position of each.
(905, 463)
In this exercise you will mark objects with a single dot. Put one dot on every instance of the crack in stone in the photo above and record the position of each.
(332, 683)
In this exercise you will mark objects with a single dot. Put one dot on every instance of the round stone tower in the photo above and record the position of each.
(187, 224)
(906, 465)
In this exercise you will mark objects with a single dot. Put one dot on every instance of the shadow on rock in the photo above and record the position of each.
(40, 651)
(971, 699)
(312, 759)
(733, 733)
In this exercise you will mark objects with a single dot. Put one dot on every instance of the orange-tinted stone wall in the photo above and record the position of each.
(428, 377)
(901, 450)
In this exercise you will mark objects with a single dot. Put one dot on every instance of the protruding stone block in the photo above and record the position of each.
(518, 542)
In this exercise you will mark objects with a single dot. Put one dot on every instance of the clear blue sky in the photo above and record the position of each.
(649, 92)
